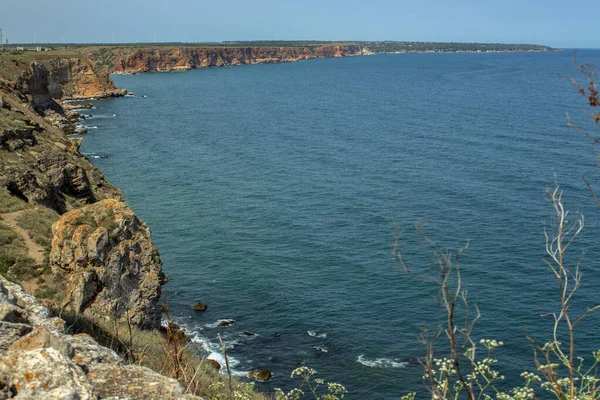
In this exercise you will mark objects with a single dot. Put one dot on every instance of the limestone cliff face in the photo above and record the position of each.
(39, 360)
(185, 58)
(106, 255)
(77, 78)
(46, 82)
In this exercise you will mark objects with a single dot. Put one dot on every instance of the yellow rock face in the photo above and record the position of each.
(109, 263)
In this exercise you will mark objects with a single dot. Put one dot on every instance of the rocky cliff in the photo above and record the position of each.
(48, 81)
(104, 265)
(149, 59)
(106, 256)
(101, 251)
(39, 163)
(39, 360)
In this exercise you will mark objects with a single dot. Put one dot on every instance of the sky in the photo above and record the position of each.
(557, 23)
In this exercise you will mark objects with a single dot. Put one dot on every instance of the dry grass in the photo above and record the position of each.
(38, 224)
(165, 351)
(9, 203)
(15, 265)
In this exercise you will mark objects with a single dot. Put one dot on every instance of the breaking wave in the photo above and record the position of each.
(381, 362)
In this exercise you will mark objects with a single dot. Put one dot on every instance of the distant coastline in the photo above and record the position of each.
(132, 58)
(138, 58)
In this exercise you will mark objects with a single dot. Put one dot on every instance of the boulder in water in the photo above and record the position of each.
(226, 322)
(199, 306)
(261, 375)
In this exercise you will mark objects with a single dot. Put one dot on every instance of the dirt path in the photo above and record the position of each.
(34, 250)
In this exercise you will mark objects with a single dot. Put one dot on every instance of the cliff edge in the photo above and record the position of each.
(99, 247)
(67, 236)
(149, 59)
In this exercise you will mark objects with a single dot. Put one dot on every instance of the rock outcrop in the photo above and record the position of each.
(112, 268)
(185, 58)
(39, 360)
(46, 82)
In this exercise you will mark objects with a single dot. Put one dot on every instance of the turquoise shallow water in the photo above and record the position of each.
(271, 191)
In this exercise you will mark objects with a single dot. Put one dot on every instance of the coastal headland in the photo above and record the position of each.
(69, 239)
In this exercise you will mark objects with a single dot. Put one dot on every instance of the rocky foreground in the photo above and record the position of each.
(39, 360)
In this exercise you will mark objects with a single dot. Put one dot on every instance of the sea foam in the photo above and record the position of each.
(381, 362)
(317, 334)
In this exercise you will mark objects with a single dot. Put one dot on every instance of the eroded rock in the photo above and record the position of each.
(42, 338)
(45, 374)
(87, 352)
(10, 333)
(11, 313)
(113, 268)
(261, 375)
(39, 361)
(225, 323)
(134, 382)
(11, 293)
(213, 363)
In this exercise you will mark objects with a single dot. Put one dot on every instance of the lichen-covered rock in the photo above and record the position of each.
(87, 352)
(134, 382)
(45, 374)
(10, 333)
(113, 268)
(11, 293)
(42, 338)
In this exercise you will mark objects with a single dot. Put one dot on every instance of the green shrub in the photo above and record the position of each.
(23, 268)
(46, 293)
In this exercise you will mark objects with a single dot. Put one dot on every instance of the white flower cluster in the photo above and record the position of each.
(551, 346)
(303, 371)
(523, 393)
(335, 390)
(491, 344)
(530, 377)
(445, 366)
(548, 367)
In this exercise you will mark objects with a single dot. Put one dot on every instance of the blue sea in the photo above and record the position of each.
(272, 192)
